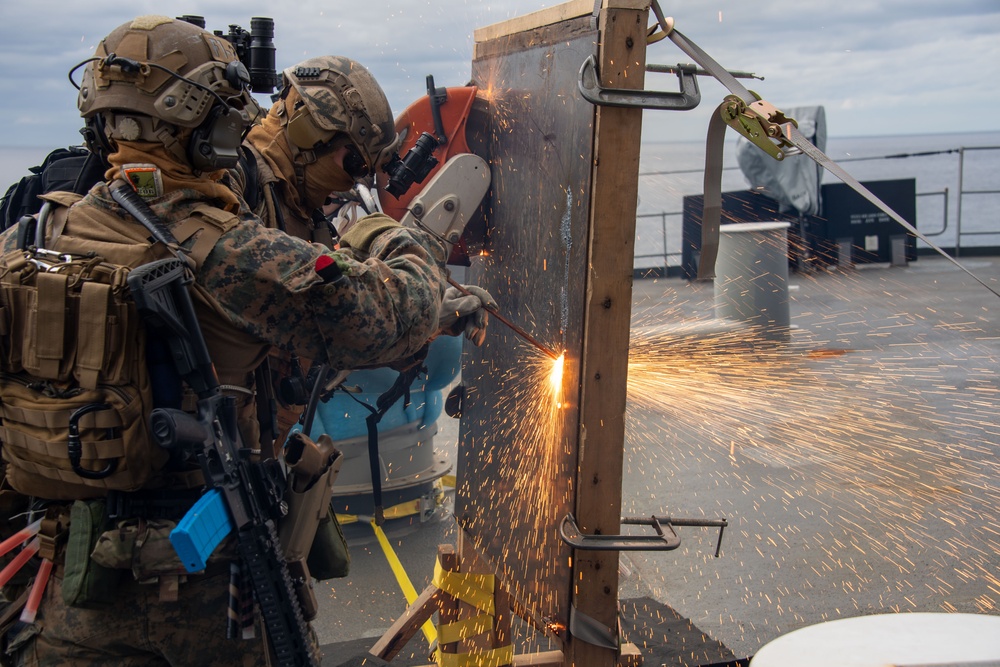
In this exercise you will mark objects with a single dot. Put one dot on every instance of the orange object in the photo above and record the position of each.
(416, 119)
(35, 597)
(18, 562)
(20, 537)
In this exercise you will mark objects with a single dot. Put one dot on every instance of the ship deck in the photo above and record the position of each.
(857, 467)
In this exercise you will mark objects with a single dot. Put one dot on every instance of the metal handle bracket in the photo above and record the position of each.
(661, 541)
(592, 91)
(665, 539)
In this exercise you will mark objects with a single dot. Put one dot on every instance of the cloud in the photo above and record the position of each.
(888, 67)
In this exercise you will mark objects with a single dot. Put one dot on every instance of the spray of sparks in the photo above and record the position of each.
(528, 460)
(846, 490)
(857, 479)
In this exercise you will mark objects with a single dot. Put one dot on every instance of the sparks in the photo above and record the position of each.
(556, 379)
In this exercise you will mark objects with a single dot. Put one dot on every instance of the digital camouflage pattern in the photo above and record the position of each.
(343, 96)
(190, 631)
(264, 285)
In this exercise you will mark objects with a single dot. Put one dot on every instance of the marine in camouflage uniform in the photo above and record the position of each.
(256, 288)
(328, 105)
(325, 104)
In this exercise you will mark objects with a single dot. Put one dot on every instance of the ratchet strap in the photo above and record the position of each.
(768, 129)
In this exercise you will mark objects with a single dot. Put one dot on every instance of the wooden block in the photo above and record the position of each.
(551, 15)
(631, 656)
(541, 659)
(407, 625)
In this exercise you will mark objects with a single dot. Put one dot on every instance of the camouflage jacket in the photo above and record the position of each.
(265, 286)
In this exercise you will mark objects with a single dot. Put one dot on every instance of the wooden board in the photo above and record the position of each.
(517, 451)
(604, 375)
(559, 261)
(539, 19)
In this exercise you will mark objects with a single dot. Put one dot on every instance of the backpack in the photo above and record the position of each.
(72, 169)
(75, 385)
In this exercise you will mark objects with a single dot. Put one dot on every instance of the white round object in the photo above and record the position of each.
(899, 640)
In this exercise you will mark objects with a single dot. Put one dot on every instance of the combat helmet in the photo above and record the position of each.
(155, 74)
(339, 95)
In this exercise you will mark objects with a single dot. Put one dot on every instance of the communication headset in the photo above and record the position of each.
(215, 142)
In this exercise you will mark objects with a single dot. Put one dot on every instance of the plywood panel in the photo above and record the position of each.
(558, 259)
(517, 454)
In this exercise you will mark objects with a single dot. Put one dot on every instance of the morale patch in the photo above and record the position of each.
(145, 179)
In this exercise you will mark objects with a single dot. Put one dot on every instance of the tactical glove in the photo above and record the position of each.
(361, 234)
(466, 312)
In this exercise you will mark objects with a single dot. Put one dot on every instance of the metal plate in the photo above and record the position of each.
(517, 452)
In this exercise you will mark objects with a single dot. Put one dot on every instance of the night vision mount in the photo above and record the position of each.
(254, 48)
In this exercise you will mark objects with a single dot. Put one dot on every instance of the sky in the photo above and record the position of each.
(878, 67)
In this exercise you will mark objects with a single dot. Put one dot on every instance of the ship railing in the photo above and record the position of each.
(670, 260)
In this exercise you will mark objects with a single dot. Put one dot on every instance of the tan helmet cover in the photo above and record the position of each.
(177, 45)
(340, 95)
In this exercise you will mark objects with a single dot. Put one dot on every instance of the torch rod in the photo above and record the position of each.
(513, 327)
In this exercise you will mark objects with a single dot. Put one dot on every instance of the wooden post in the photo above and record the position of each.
(604, 363)
(449, 609)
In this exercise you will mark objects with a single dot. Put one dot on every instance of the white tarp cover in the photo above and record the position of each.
(793, 182)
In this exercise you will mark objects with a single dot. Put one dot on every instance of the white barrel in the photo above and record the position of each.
(751, 277)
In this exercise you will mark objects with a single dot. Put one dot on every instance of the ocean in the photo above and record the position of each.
(671, 170)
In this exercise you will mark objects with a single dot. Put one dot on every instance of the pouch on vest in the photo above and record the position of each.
(329, 557)
(74, 386)
(144, 548)
(85, 582)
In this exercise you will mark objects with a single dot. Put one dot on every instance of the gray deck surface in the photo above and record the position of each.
(857, 466)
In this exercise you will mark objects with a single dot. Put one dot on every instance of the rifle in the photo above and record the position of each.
(244, 495)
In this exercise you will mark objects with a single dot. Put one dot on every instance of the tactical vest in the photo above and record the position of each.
(75, 390)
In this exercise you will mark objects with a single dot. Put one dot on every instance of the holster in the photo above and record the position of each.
(313, 468)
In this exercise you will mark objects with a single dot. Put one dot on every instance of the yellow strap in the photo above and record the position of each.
(405, 509)
(493, 658)
(50, 323)
(465, 628)
(474, 589)
(402, 579)
(90, 340)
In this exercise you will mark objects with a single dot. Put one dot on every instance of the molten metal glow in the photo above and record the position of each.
(556, 379)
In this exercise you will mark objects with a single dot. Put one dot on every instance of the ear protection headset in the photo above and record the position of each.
(215, 142)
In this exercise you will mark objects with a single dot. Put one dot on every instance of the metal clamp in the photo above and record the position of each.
(665, 539)
(571, 535)
(592, 91)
